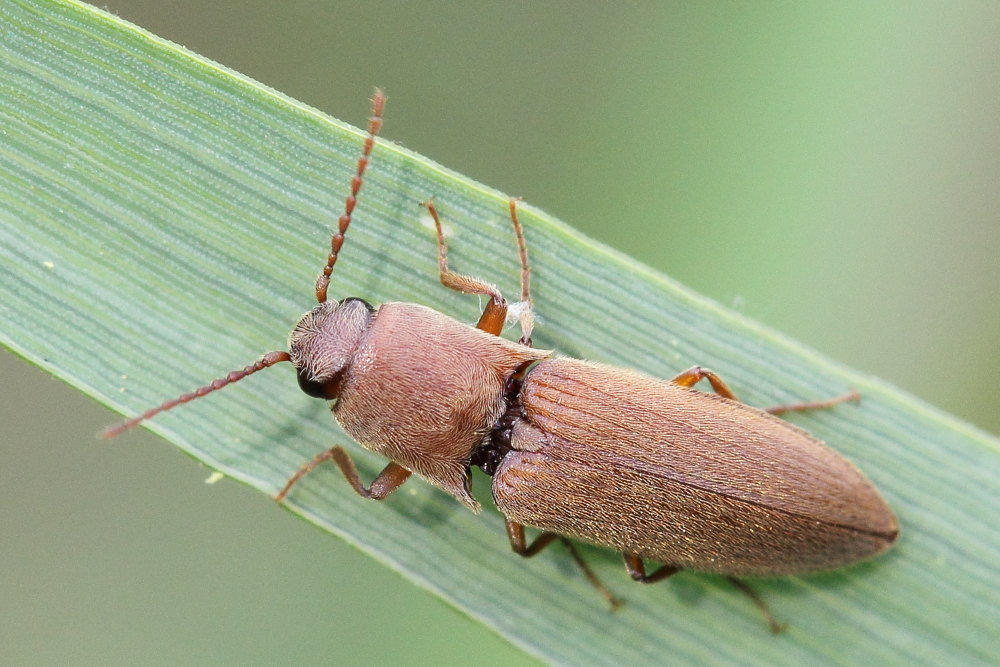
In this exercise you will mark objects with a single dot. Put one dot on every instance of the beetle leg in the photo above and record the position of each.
(515, 532)
(759, 603)
(693, 375)
(814, 405)
(387, 481)
(527, 317)
(495, 314)
(637, 570)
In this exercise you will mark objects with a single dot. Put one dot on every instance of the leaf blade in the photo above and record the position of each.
(192, 207)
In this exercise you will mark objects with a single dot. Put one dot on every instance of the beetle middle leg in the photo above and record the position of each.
(515, 532)
(527, 316)
(637, 570)
(387, 481)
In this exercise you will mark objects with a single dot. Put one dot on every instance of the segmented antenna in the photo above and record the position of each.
(374, 125)
(269, 359)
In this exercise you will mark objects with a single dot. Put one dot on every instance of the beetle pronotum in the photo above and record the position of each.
(656, 470)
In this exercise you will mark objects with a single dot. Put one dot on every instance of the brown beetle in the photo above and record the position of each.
(653, 469)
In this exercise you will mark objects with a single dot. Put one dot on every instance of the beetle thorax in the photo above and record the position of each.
(424, 390)
(323, 342)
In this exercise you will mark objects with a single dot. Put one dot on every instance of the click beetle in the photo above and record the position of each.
(654, 469)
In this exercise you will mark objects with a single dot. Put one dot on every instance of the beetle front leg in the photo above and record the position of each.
(515, 533)
(387, 481)
(495, 314)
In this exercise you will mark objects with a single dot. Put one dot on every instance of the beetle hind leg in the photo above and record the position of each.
(637, 569)
(520, 546)
(758, 602)
(814, 405)
(695, 374)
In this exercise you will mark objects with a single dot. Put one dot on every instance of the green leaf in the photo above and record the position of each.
(163, 220)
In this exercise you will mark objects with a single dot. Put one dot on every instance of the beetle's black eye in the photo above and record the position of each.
(311, 387)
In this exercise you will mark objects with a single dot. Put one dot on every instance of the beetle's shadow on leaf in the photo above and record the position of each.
(431, 508)
(378, 286)
(836, 579)
(403, 209)
(290, 430)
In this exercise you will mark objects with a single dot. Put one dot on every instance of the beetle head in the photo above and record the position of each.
(323, 342)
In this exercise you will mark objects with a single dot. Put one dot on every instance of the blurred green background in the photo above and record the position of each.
(831, 171)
